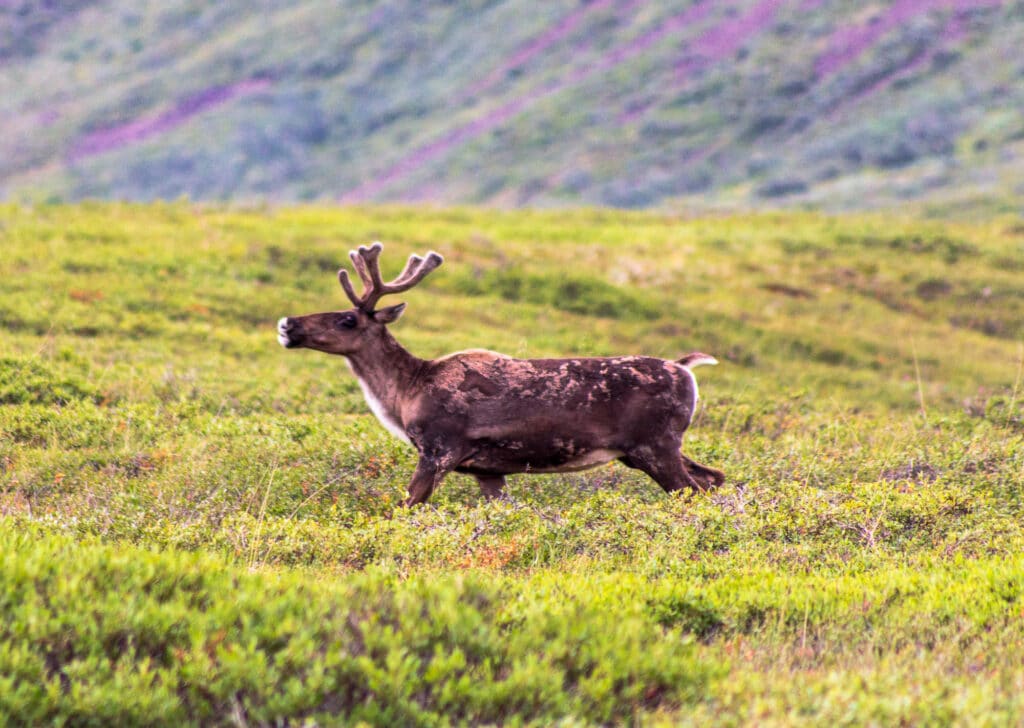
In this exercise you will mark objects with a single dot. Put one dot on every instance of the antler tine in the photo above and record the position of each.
(360, 266)
(363, 260)
(411, 276)
(367, 264)
(346, 284)
(410, 268)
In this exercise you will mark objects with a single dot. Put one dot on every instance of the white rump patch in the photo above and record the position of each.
(696, 389)
(696, 361)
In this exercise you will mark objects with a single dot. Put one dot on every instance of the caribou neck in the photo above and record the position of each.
(386, 371)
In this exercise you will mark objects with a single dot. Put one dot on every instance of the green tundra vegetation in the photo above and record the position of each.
(197, 526)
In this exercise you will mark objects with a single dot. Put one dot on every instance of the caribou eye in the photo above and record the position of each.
(347, 321)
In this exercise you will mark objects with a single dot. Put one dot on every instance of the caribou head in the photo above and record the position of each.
(347, 332)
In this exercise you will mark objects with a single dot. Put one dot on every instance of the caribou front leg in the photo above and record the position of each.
(428, 476)
(430, 471)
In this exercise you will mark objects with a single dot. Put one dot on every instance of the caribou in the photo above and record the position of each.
(490, 415)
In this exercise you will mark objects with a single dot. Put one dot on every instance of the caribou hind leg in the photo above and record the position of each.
(709, 478)
(664, 465)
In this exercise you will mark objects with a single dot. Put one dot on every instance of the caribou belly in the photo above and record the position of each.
(583, 461)
(507, 462)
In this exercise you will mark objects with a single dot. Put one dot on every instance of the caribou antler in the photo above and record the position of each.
(366, 261)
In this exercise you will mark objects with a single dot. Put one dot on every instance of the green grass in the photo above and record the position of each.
(199, 526)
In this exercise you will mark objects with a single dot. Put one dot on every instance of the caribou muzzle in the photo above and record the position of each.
(289, 333)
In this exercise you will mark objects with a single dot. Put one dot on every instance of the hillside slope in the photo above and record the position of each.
(611, 102)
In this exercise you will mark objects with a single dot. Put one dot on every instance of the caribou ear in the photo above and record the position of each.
(389, 314)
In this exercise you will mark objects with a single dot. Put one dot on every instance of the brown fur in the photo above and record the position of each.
(490, 415)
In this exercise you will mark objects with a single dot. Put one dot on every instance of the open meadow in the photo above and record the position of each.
(197, 526)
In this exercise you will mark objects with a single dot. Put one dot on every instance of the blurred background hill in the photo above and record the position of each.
(746, 103)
